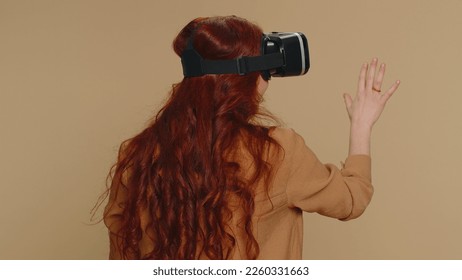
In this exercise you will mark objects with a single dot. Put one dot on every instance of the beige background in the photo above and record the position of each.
(78, 77)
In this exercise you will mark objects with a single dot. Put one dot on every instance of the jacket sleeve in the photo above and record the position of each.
(323, 188)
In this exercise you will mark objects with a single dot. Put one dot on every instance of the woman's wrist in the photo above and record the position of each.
(360, 139)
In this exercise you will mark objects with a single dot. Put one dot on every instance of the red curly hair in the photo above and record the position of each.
(181, 171)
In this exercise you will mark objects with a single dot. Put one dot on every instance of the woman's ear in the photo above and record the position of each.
(262, 85)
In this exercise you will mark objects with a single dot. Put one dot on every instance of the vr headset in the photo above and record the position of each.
(283, 54)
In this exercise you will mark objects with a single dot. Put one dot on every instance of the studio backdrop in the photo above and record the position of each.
(79, 77)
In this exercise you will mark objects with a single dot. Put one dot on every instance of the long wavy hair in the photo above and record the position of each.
(184, 167)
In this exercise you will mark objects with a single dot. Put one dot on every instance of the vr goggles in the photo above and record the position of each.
(283, 54)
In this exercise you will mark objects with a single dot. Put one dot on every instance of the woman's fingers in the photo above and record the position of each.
(379, 79)
(348, 101)
(391, 90)
(370, 80)
(371, 74)
(362, 77)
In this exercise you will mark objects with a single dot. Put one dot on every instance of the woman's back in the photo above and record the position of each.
(300, 183)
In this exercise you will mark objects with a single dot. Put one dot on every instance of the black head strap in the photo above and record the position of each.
(194, 65)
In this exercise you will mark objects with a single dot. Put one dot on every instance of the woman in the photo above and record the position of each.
(208, 180)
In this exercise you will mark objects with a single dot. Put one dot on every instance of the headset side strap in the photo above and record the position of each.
(194, 65)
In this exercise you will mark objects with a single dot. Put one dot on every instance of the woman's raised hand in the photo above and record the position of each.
(365, 109)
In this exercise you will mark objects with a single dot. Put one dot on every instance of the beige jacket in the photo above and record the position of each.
(300, 183)
(303, 183)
